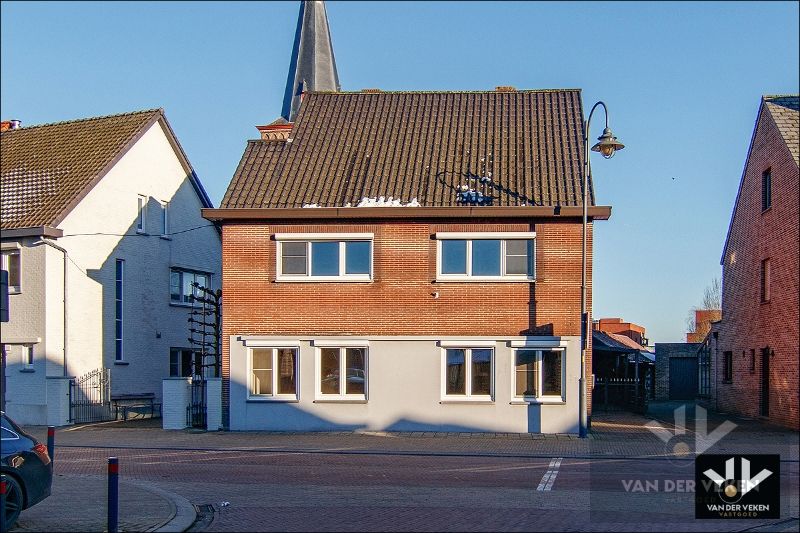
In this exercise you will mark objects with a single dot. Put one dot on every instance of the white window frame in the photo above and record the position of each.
(27, 356)
(141, 215)
(274, 397)
(308, 239)
(473, 236)
(467, 396)
(342, 396)
(540, 397)
(183, 271)
(119, 341)
(164, 220)
(5, 256)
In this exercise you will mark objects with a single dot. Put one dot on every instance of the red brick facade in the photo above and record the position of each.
(749, 325)
(400, 300)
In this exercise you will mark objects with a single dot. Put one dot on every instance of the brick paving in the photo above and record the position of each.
(424, 481)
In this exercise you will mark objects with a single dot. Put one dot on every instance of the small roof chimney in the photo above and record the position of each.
(12, 124)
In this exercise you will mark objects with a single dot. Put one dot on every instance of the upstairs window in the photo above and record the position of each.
(766, 276)
(766, 189)
(165, 219)
(181, 284)
(324, 257)
(10, 262)
(141, 214)
(485, 256)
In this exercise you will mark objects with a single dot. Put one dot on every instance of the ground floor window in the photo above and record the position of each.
(538, 374)
(185, 362)
(342, 373)
(273, 373)
(468, 373)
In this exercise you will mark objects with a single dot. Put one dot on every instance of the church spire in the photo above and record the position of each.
(313, 67)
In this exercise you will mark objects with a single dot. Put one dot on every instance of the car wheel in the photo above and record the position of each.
(13, 502)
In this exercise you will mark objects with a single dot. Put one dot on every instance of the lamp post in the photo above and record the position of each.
(607, 145)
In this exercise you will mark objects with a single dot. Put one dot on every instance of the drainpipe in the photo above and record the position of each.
(63, 251)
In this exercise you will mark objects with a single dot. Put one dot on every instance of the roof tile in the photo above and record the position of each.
(424, 145)
(44, 169)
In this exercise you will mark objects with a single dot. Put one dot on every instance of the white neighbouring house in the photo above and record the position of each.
(102, 237)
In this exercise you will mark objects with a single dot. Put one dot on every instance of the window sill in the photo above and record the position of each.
(14, 290)
(166, 237)
(179, 304)
(272, 400)
(27, 370)
(538, 401)
(322, 279)
(121, 363)
(727, 382)
(343, 400)
(141, 232)
(484, 280)
(764, 302)
(468, 402)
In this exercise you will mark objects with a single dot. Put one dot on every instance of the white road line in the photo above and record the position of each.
(549, 477)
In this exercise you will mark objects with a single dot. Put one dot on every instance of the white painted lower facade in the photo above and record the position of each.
(405, 388)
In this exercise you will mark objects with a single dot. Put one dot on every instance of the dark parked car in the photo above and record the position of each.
(27, 468)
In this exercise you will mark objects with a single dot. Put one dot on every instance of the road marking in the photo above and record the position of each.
(549, 477)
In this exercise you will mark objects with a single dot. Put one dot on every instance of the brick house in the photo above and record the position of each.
(405, 260)
(754, 348)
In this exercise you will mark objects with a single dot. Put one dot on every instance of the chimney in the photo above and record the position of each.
(505, 89)
(12, 124)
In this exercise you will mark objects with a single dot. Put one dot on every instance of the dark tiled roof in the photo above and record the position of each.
(46, 169)
(785, 110)
(347, 146)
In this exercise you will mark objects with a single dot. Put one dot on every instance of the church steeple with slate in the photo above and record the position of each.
(313, 66)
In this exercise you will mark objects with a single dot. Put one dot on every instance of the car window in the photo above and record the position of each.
(7, 434)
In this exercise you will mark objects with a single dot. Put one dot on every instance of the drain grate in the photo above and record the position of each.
(205, 516)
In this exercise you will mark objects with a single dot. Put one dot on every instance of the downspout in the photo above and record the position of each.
(63, 251)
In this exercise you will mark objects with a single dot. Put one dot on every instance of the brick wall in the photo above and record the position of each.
(664, 352)
(399, 301)
(747, 323)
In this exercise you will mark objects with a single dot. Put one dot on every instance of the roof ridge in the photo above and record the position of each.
(102, 117)
(788, 95)
(487, 91)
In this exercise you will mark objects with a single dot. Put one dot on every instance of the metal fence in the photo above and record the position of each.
(90, 397)
(196, 410)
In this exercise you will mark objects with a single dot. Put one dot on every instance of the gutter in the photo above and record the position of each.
(416, 213)
(63, 251)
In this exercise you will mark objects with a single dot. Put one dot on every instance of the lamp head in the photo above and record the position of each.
(608, 144)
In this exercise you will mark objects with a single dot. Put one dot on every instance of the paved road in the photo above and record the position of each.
(299, 491)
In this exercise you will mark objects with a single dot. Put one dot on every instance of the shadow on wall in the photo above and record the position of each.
(149, 324)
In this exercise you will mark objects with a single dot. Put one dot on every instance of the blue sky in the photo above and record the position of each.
(682, 81)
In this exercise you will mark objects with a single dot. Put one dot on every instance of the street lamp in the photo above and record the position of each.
(607, 145)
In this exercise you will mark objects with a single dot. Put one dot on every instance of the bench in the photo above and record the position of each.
(125, 403)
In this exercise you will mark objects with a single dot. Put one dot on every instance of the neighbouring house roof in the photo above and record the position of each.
(46, 170)
(348, 146)
(785, 112)
(613, 342)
